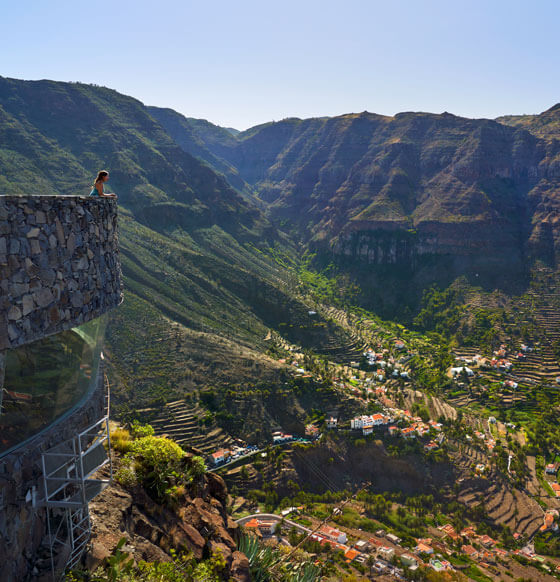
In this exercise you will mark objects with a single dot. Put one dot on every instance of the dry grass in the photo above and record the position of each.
(121, 440)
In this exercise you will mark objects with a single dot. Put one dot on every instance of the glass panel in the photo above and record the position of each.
(47, 379)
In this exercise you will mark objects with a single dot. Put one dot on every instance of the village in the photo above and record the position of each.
(377, 389)
(377, 383)
(385, 553)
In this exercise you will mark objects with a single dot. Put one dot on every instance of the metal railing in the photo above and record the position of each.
(70, 482)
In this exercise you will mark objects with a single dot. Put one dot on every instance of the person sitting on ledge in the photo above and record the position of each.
(97, 189)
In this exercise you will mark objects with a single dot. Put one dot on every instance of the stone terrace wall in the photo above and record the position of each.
(59, 264)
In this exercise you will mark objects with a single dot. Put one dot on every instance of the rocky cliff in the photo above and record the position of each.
(389, 189)
(198, 525)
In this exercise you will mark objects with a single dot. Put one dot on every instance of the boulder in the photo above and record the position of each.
(240, 567)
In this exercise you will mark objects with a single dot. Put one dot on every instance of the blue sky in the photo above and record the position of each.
(243, 62)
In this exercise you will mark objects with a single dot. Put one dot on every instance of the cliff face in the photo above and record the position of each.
(336, 464)
(200, 525)
(544, 198)
(385, 190)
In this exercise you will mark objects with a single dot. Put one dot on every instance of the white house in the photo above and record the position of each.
(360, 421)
(409, 561)
(367, 422)
(386, 553)
(333, 534)
(220, 456)
(361, 545)
(393, 539)
(460, 369)
(280, 437)
(332, 422)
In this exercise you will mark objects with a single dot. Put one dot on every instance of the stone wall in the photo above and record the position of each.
(23, 528)
(59, 264)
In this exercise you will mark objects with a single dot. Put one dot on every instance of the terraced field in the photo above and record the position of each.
(538, 310)
(342, 348)
(543, 365)
(183, 423)
(536, 489)
(504, 504)
(540, 366)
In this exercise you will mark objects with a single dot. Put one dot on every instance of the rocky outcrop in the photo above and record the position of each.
(198, 525)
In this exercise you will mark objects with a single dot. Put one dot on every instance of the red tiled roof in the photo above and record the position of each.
(469, 550)
(330, 531)
(351, 554)
(424, 548)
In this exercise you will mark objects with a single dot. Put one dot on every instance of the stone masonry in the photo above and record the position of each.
(59, 264)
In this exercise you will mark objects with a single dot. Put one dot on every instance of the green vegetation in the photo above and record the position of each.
(441, 311)
(121, 440)
(329, 285)
(269, 564)
(547, 544)
(119, 567)
(138, 430)
(476, 574)
(161, 467)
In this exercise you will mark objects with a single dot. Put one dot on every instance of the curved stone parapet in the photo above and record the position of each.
(59, 264)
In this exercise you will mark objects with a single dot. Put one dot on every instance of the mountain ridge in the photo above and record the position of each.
(416, 197)
(428, 196)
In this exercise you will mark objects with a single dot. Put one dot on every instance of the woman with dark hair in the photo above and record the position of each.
(97, 189)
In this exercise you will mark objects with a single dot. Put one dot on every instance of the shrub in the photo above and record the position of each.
(161, 466)
(119, 567)
(138, 430)
(197, 467)
(156, 462)
(126, 476)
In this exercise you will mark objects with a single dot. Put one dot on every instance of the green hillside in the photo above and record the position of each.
(196, 254)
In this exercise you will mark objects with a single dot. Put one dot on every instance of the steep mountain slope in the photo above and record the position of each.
(431, 196)
(545, 197)
(193, 135)
(545, 124)
(194, 251)
(461, 184)
(97, 127)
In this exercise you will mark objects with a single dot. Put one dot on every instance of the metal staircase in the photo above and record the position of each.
(70, 481)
